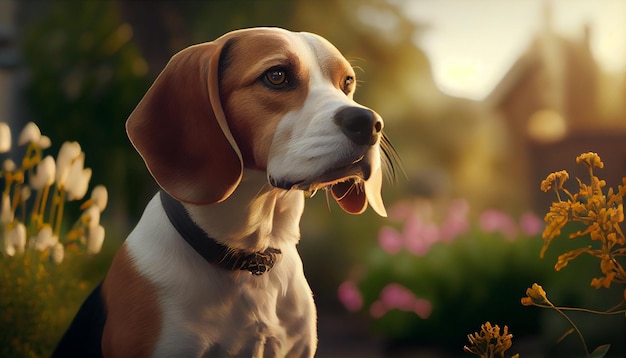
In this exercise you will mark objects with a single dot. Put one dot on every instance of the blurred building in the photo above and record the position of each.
(557, 103)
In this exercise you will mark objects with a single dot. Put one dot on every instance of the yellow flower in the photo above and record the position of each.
(565, 258)
(536, 294)
(603, 281)
(600, 213)
(489, 342)
(590, 159)
(527, 301)
(557, 177)
(556, 219)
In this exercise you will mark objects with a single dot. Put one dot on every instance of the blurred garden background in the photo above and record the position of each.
(481, 98)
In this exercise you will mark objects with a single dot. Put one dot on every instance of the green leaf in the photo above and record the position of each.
(601, 351)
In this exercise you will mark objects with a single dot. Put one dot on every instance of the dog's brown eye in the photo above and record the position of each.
(276, 77)
(347, 84)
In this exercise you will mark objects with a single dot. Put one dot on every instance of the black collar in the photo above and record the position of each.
(223, 256)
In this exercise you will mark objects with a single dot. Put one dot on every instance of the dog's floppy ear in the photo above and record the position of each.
(180, 130)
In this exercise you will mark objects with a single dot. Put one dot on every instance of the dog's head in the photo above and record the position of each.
(267, 99)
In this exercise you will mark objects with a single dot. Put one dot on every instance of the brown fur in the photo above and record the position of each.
(252, 109)
(129, 333)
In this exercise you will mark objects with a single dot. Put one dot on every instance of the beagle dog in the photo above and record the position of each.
(235, 132)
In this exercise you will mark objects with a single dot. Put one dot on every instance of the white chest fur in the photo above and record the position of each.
(208, 309)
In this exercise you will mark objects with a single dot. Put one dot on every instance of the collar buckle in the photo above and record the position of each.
(257, 263)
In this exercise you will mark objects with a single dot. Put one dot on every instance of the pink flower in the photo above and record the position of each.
(423, 308)
(496, 221)
(530, 224)
(397, 296)
(419, 235)
(400, 210)
(390, 240)
(350, 296)
(457, 222)
(378, 309)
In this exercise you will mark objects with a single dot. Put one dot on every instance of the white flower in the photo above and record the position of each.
(16, 238)
(91, 216)
(9, 249)
(5, 138)
(8, 165)
(77, 181)
(44, 142)
(95, 239)
(100, 197)
(57, 253)
(44, 175)
(68, 153)
(6, 215)
(45, 238)
(25, 192)
(30, 133)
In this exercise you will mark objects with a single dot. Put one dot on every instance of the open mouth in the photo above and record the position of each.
(352, 173)
(353, 185)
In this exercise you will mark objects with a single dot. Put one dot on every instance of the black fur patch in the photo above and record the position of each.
(84, 336)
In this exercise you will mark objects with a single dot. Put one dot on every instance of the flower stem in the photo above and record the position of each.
(33, 216)
(55, 204)
(15, 201)
(586, 310)
(59, 214)
(23, 205)
(580, 335)
(44, 201)
(7, 183)
(614, 308)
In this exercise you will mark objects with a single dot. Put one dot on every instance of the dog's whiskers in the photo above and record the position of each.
(311, 193)
(327, 192)
(390, 160)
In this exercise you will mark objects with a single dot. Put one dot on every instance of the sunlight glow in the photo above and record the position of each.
(473, 43)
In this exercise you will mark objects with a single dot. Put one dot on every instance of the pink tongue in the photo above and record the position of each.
(349, 197)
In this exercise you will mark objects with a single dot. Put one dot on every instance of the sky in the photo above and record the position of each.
(473, 43)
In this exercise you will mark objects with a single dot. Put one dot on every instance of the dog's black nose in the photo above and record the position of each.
(359, 124)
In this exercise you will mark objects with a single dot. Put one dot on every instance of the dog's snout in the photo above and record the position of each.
(359, 124)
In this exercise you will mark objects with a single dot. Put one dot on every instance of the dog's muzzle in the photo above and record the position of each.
(361, 125)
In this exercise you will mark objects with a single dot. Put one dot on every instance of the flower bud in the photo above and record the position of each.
(17, 237)
(5, 138)
(100, 197)
(6, 215)
(69, 152)
(45, 174)
(45, 239)
(30, 133)
(44, 142)
(8, 165)
(95, 239)
(77, 181)
(9, 249)
(25, 193)
(91, 216)
(57, 253)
